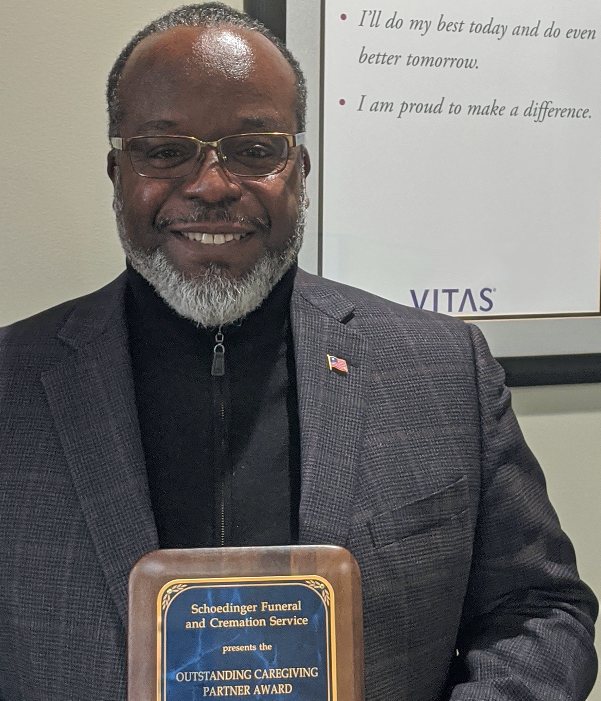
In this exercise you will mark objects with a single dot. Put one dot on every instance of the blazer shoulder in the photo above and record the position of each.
(40, 336)
(372, 312)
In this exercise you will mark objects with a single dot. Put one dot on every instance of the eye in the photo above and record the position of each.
(255, 150)
(254, 154)
(169, 152)
(161, 152)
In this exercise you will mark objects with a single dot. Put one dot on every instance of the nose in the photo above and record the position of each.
(210, 182)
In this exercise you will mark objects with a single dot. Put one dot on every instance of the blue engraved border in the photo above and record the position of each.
(319, 585)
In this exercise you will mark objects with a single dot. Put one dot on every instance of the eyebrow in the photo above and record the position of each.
(257, 123)
(158, 125)
(246, 124)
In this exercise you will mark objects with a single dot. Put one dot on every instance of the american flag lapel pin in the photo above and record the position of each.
(337, 364)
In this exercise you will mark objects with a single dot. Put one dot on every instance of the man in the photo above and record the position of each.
(189, 403)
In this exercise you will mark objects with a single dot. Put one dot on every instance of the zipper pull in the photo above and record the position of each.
(218, 367)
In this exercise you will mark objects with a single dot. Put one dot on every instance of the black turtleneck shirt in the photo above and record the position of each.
(222, 452)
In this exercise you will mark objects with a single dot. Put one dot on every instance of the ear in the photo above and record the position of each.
(111, 165)
(306, 161)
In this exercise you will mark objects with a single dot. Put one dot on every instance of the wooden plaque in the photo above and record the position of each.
(246, 623)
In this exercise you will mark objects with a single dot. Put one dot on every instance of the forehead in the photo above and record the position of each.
(220, 70)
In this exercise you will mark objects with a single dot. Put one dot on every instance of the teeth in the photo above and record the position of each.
(212, 239)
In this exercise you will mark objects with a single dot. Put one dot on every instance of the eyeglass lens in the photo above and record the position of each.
(175, 157)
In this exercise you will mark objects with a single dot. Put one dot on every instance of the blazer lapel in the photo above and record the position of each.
(331, 408)
(91, 397)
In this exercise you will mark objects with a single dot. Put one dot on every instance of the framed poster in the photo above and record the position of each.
(458, 160)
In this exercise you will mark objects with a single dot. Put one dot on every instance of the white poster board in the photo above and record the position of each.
(461, 160)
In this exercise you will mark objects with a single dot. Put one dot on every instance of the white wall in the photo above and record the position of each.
(58, 237)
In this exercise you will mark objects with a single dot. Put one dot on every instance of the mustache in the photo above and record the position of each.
(203, 213)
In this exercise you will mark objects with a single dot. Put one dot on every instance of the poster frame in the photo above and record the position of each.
(532, 351)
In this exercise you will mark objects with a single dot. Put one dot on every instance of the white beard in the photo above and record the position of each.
(213, 298)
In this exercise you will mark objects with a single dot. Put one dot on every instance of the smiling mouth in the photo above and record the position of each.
(212, 239)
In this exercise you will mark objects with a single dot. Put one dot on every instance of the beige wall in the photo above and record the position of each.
(563, 427)
(58, 237)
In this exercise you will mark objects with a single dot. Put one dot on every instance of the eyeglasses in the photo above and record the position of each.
(243, 155)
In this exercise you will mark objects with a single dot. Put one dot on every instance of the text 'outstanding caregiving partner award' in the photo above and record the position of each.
(249, 623)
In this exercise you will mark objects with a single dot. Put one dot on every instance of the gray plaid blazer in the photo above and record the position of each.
(413, 461)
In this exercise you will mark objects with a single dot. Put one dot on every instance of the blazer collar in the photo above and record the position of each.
(331, 407)
(92, 400)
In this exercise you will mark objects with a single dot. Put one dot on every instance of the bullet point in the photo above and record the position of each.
(342, 101)
(343, 16)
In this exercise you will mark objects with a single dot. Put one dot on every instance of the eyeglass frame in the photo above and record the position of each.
(293, 140)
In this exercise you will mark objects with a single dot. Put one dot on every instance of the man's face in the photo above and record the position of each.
(208, 83)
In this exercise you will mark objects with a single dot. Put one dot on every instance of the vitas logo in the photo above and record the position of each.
(454, 299)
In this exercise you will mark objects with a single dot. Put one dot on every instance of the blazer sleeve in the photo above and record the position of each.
(527, 625)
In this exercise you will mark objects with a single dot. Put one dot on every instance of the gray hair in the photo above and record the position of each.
(205, 15)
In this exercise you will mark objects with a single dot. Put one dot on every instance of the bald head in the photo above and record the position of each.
(180, 67)
(176, 81)
(226, 53)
